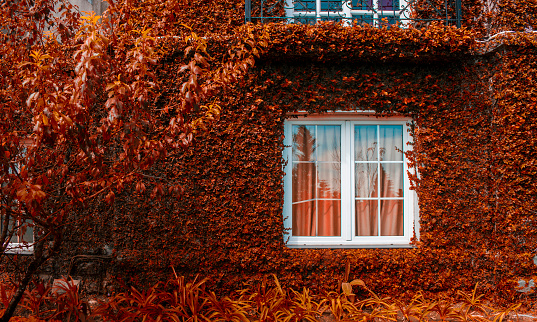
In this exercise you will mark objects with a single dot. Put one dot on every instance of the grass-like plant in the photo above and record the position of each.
(179, 300)
(35, 298)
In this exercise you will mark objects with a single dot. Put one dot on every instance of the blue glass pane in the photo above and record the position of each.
(328, 143)
(330, 5)
(362, 19)
(383, 5)
(306, 21)
(365, 143)
(304, 143)
(304, 5)
(333, 17)
(388, 20)
(362, 5)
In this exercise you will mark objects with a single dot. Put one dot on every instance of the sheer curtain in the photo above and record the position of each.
(391, 180)
(378, 162)
(366, 179)
(316, 180)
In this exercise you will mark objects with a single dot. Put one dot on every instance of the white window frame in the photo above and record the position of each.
(347, 12)
(348, 238)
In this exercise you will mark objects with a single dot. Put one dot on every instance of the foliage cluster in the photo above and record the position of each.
(266, 300)
(228, 225)
(109, 138)
(46, 302)
(78, 128)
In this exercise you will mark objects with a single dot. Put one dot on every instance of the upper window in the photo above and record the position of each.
(346, 183)
(374, 12)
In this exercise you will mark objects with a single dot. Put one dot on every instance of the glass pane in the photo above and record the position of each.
(390, 5)
(329, 143)
(362, 19)
(303, 143)
(304, 5)
(391, 217)
(362, 4)
(329, 218)
(391, 142)
(365, 143)
(304, 221)
(387, 20)
(15, 237)
(366, 180)
(331, 5)
(329, 180)
(391, 180)
(304, 181)
(366, 217)
(28, 233)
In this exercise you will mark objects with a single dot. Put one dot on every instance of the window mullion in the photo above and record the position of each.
(316, 186)
(346, 8)
(378, 182)
(349, 235)
(376, 22)
(347, 182)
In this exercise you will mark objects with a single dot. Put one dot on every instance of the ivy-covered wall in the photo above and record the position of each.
(475, 149)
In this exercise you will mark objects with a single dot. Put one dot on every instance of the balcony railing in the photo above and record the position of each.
(373, 12)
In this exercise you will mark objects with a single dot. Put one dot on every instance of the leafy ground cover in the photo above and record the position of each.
(265, 300)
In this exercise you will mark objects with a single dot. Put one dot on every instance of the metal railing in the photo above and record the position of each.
(373, 12)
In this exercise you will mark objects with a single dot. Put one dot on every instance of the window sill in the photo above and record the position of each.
(19, 250)
(294, 246)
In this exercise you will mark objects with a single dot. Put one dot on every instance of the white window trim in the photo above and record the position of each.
(347, 12)
(20, 249)
(346, 240)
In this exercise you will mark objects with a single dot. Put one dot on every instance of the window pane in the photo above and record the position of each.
(304, 221)
(366, 217)
(391, 217)
(14, 238)
(365, 143)
(329, 143)
(303, 143)
(391, 142)
(387, 20)
(362, 19)
(329, 180)
(391, 180)
(366, 180)
(327, 5)
(24, 233)
(362, 4)
(329, 218)
(304, 181)
(390, 5)
(28, 235)
(304, 5)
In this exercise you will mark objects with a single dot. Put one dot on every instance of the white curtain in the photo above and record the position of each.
(316, 180)
(378, 163)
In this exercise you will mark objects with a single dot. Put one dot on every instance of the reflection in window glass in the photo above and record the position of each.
(379, 214)
(345, 183)
(316, 180)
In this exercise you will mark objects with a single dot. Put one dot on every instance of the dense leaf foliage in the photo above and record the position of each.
(110, 141)
(181, 300)
(229, 224)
